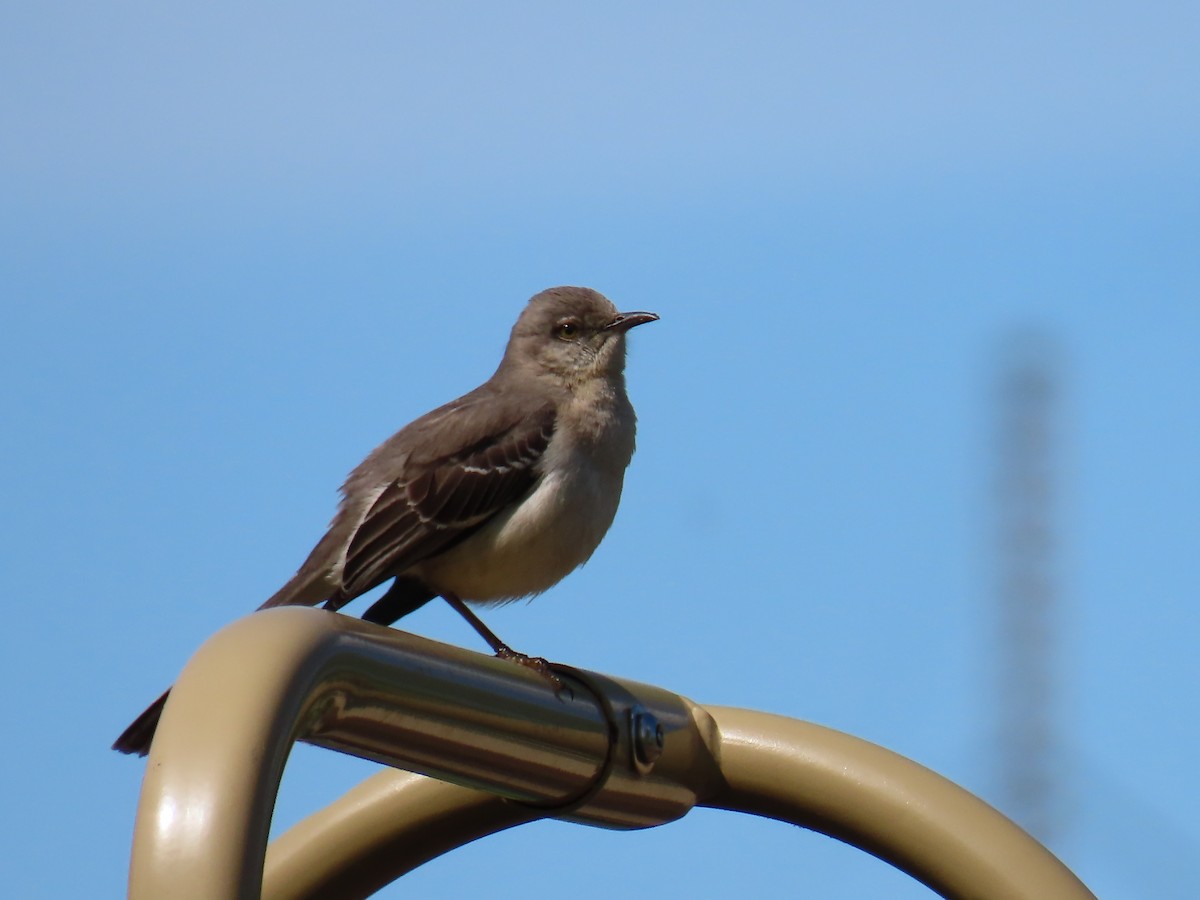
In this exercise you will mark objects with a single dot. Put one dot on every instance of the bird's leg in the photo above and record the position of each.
(501, 649)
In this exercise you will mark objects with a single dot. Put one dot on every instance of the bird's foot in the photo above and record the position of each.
(537, 664)
(503, 651)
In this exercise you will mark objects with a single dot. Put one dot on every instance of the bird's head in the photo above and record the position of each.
(573, 333)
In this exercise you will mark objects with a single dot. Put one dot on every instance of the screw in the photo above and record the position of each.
(648, 738)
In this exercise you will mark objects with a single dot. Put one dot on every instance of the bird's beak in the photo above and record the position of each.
(624, 321)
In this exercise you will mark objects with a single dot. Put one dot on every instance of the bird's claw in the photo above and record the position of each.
(537, 664)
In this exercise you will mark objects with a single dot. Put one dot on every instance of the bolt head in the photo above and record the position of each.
(648, 738)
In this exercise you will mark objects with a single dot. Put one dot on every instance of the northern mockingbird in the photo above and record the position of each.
(495, 496)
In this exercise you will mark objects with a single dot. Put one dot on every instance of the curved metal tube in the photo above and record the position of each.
(883, 803)
(282, 675)
(608, 752)
(291, 674)
(772, 766)
(378, 831)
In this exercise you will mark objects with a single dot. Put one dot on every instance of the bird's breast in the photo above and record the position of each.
(538, 541)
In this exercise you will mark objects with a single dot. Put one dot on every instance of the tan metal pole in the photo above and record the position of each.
(794, 771)
(378, 831)
(608, 752)
(287, 674)
(885, 804)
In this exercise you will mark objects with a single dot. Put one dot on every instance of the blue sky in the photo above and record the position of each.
(240, 246)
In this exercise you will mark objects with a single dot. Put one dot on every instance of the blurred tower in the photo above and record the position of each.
(1027, 746)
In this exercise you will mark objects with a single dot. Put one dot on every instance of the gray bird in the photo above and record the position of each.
(496, 495)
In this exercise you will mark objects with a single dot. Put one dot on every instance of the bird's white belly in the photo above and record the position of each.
(534, 545)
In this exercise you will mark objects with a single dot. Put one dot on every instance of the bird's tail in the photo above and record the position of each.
(304, 589)
(137, 737)
(307, 588)
(310, 585)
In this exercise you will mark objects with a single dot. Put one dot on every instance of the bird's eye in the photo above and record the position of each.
(567, 330)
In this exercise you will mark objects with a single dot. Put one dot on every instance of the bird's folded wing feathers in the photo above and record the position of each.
(442, 500)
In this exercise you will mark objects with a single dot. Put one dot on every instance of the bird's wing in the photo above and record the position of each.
(442, 499)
